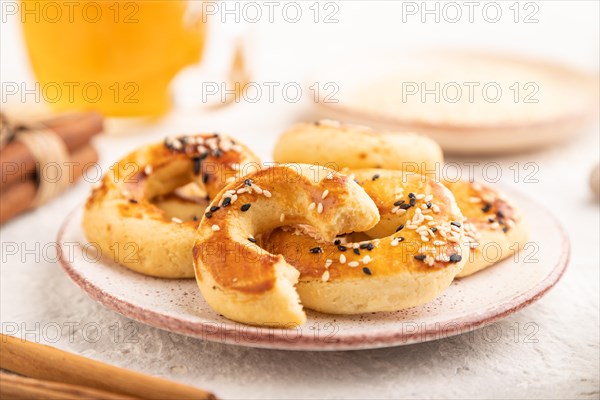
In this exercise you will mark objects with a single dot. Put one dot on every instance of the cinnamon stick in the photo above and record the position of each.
(19, 387)
(44, 362)
(19, 196)
(18, 164)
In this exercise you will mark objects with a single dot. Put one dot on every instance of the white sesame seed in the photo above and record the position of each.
(311, 206)
(394, 242)
(215, 228)
(435, 208)
(353, 264)
(428, 217)
(420, 196)
(256, 188)
(328, 263)
(230, 179)
(495, 225)
(401, 211)
(438, 243)
(474, 200)
(425, 238)
(148, 169)
(325, 193)
(410, 226)
(282, 217)
(325, 276)
(453, 239)
(320, 208)
(476, 186)
(355, 245)
(427, 198)
(241, 190)
(342, 259)
(395, 209)
(176, 220)
(366, 259)
(266, 193)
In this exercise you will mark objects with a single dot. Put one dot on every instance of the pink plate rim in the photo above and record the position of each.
(279, 338)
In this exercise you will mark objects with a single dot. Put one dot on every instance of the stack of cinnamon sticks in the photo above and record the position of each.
(22, 173)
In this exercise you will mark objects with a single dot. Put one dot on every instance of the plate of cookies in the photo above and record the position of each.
(345, 242)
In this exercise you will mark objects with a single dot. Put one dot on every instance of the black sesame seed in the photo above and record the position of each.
(251, 239)
(342, 248)
(505, 229)
(356, 251)
(456, 224)
(207, 198)
(208, 214)
(195, 218)
(428, 204)
(500, 214)
(455, 258)
(398, 229)
(216, 134)
(337, 242)
(197, 164)
(375, 177)
(367, 271)
(218, 153)
(491, 220)
(364, 245)
(214, 208)
(134, 201)
(405, 206)
(400, 239)
(399, 203)
(487, 207)
(205, 178)
(226, 201)
(245, 207)
(420, 257)
(434, 229)
(370, 246)
(411, 196)
(316, 250)
(248, 182)
(356, 180)
(412, 201)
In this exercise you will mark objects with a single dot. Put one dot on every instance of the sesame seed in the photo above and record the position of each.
(328, 263)
(405, 206)
(248, 182)
(474, 200)
(428, 198)
(370, 246)
(394, 242)
(420, 257)
(455, 258)
(197, 165)
(400, 228)
(267, 193)
(342, 259)
(375, 177)
(208, 214)
(133, 201)
(367, 271)
(245, 207)
(242, 190)
(251, 239)
(325, 276)
(337, 242)
(487, 207)
(342, 248)
(454, 223)
(311, 206)
(356, 251)
(316, 250)
(148, 169)
(353, 264)
(411, 195)
(325, 193)
(401, 211)
(428, 204)
(205, 178)
(215, 228)
(320, 208)
(412, 201)
(420, 196)
(366, 259)
(399, 203)
(226, 201)
(505, 229)
(176, 220)
(282, 217)
(425, 238)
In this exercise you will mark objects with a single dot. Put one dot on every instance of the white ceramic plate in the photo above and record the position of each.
(177, 305)
(510, 103)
